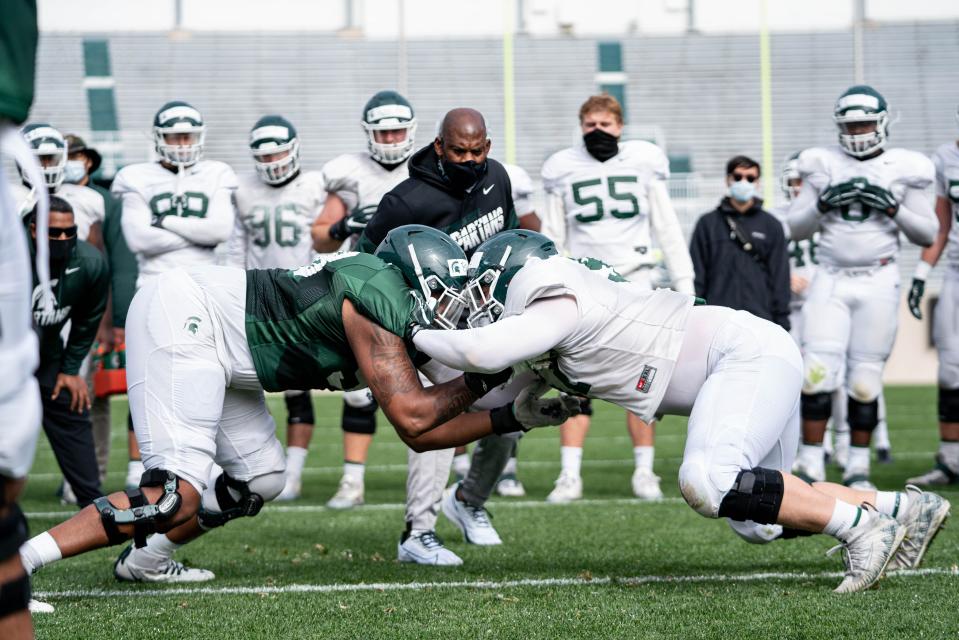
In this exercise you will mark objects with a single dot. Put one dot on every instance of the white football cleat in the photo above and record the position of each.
(474, 522)
(926, 514)
(859, 482)
(646, 485)
(868, 551)
(291, 490)
(425, 547)
(568, 488)
(509, 486)
(841, 449)
(348, 495)
(940, 476)
(126, 570)
(809, 473)
(67, 496)
(35, 606)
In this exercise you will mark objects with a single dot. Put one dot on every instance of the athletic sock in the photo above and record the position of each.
(571, 459)
(135, 470)
(39, 551)
(643, 457)
(858, 461)
(845, 519)
(510, 468)
(461, 464)
(354, 470)
(295, 461)
(158, 551)
(949, 454)
(811, 456)
(893, 503)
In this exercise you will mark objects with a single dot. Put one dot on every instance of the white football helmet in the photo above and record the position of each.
(389, 111)
(178, 117)
(50, 148)
(861, 103)
(272, 135)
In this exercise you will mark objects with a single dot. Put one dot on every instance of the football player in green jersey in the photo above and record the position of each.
(202, 347)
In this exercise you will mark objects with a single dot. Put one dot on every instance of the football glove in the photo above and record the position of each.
(915, 297)
(875, 197)
(838, 195)
(529, 410)
(480, 384)
(350, 224)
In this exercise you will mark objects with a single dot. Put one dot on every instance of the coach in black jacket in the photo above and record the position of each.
(739, 250)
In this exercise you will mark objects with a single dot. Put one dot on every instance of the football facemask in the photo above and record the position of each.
(275, 148)
(50, 149)
(179, 134)
(858, 105)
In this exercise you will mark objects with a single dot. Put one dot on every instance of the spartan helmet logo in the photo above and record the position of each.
(192, 324)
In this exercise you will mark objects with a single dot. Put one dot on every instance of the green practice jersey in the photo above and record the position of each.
(18, 50)
(294, 318)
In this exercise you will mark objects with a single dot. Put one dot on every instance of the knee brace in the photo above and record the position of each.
(142, 515)
(756, 495)
(948, 405)
(586, 407)
(299, 408)
(222, 506)
(816, 406)
(15, 593)
(862, 416)
(359, 418)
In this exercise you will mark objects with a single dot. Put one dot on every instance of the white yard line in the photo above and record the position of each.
(468, 584)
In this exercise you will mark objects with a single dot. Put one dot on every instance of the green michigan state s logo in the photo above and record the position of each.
(191, 203)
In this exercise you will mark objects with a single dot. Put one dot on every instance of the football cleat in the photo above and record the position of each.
(809, 473)
(940, 476)
(126, 570)
(509, 486)
(473, 521)
(348, 495)
(926, 514)
(568, 488)
(646, 485)
(35, 606)
(841, 450)
(883, 456)
(859, 482)
(67, 496)
(425, 547)
(868, 550)
(291, 490)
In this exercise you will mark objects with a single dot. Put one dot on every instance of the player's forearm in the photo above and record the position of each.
(930, 255)
(144, 239)
(322, 242)
(670, 236)
(916, 219)
(461, 430)
(803, 216)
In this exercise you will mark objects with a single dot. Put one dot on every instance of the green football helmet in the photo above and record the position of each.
(389, 111)
(50, 149)
(493, 266)
(790, 172)
(432, 264)
(271, 136)
(857, 104)
(179, 118)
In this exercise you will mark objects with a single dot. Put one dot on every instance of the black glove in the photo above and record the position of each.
(838, 195)
(915, 297)
(350, 224)
(480, 384)
(875, 197)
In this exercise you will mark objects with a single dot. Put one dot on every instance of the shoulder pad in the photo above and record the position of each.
(127, 178)
(538, 279)
(555, 166)
(519, 179)
(917, 170)
(814, 160)
(648, 155)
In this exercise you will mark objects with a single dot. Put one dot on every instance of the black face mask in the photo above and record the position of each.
(601, 145)
(463, 175)
(61, 250)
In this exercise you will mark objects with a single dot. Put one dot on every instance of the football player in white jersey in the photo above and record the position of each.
(275, 209)
(583, 329)
(355, 184)
(946, 321)
(859, 196)
(605, 198)
(175, 210)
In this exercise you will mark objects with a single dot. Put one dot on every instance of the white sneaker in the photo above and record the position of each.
(868, 550)
(348, 495)
(646, 485)
(509, 486)
(67, 496)
(291, 490)
(35, 606)
(474, 522)
(925, 517)
(841, 449)
(568, 488)
(859, 482)
(940, 476)
(126, 570)
(809, 473)
(425, 547)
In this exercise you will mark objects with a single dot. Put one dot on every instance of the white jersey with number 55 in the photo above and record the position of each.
(605, 205)
(272, 228)
(946, 160)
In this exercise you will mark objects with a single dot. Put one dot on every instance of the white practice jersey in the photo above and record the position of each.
(627, 340)
(522, 189)
(854, 236)
(360, 181)
(197, 206)
(605, 205)
(946, 161)
(272, 228)
(802, 254)
(88, 206)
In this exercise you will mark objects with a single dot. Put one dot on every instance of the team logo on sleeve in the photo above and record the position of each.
(646, 379)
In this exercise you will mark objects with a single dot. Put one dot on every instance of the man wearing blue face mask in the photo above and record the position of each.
(739, 250)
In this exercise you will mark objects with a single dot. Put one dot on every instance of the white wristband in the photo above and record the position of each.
(922, 270)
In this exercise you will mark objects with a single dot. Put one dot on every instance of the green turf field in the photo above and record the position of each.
(607, 567)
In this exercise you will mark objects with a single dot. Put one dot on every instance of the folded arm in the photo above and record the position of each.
(917, 218)
(210, 230)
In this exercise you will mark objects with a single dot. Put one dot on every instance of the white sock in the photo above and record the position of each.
(354, 470)
(949, 454)
(845, 518)
(858, 461)
(812, 456)
(571, 459)
(295, 460)
(135, 469)
(510, 467)
(158, 551)
(643, 457)
(892, 503)
(39, 551)
(461, 464)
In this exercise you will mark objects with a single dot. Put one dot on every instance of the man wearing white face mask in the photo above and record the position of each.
(739, 250)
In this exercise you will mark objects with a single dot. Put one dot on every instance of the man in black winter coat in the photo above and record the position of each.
(739, 250)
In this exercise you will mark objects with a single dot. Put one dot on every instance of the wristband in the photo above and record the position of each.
(922, 270)
(504, 420)
(337, 230)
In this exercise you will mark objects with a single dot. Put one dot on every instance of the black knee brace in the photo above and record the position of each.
(142, 515)
(816, 406)
(299, 408)
(756, 495)
(948, 405)
(247, 506)
(360, 419)
(14, 594)
(863, 416)
(585, 407)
